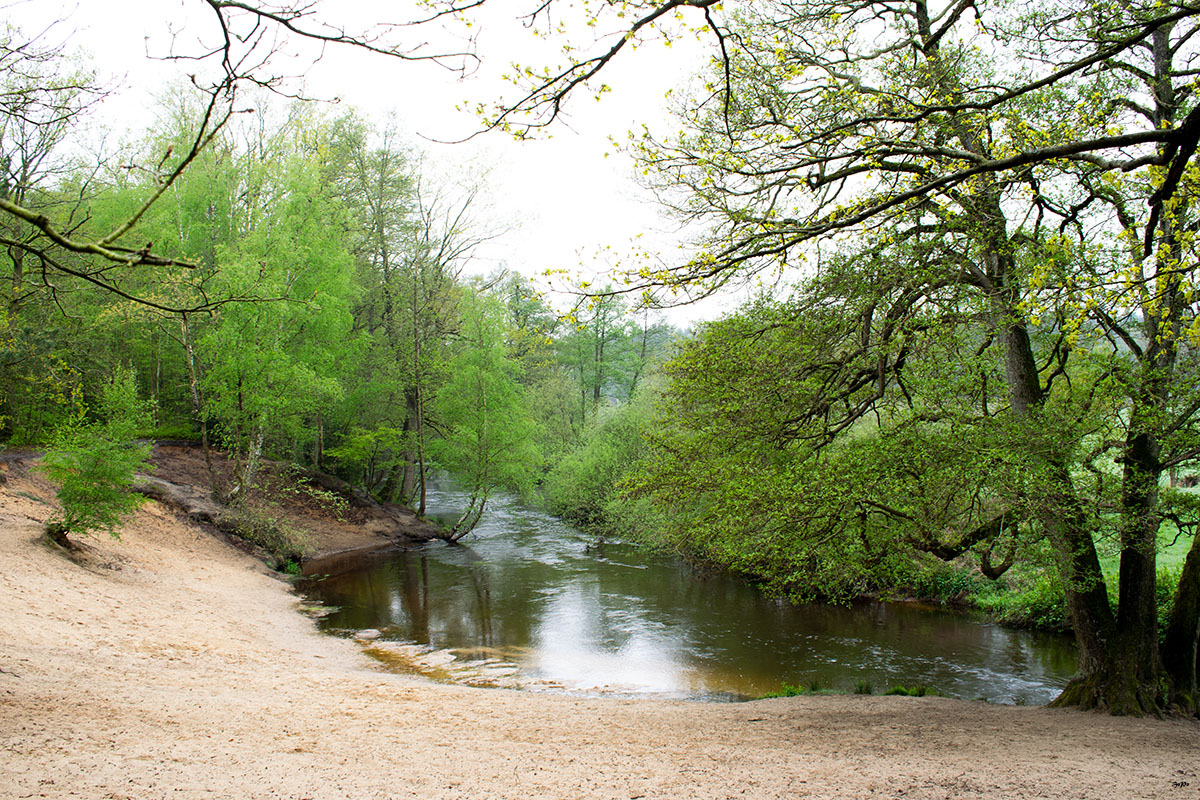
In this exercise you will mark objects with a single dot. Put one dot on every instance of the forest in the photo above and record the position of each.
(968, 372)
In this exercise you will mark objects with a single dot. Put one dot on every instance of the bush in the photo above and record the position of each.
(285, 543)
(1036, 601)
(944, 582)
(94, 463)
(583, 486)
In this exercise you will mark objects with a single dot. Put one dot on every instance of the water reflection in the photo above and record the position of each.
(528, 597)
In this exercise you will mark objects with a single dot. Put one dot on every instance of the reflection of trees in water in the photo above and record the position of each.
(484, 622)
(446, 604)
(498, 593)
(416, 596)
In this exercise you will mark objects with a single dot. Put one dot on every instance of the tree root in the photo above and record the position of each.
(1120, 698)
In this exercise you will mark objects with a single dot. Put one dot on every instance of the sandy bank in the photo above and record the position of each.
(170, 665)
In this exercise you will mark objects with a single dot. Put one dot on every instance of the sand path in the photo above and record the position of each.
(169, 665)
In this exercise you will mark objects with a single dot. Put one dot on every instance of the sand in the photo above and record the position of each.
(170, 665)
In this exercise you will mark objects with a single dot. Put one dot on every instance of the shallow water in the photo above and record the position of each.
(527, 602)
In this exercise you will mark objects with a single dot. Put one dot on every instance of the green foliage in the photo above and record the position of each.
(489, 436)
(176, 431)
(94, 462)
(787, 690)
(920, 690)
(282, 540)
(814, 686)
(370, 455)
(272, 360)
(1165, 585)
(299, 487)
(583, 486)
(939, 581)
(1032, 600)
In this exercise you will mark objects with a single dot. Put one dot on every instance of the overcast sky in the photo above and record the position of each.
(561, 201)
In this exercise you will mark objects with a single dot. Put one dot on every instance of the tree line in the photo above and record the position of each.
(310, 298)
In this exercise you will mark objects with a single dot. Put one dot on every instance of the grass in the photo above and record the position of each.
(1172, 556)
(797, 690)
(1173, 548)
(860, 687)
(920, 690)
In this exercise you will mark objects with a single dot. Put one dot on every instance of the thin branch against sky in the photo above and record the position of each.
(567, 199)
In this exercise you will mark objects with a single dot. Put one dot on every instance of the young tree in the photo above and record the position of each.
(487, 436)
(94, 462)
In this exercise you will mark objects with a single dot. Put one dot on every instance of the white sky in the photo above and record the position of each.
(563, 204)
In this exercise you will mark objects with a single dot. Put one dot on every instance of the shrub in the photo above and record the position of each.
(298, 486)
(94, 463)
(284, 542)
(1034, 601)
(944, 582)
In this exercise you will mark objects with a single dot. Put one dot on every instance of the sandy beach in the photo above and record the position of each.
(170, 665)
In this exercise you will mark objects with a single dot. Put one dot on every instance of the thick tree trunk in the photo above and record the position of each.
(1061, 516)
(1086, 594)
(1119, 666)
(1180, 652)
(1136, 667)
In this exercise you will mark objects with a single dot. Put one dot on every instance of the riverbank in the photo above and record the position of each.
(169, 664)
(313, 512)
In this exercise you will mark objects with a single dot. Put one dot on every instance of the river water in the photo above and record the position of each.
(529, 602)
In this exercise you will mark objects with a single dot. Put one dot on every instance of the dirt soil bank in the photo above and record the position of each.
(170, 665)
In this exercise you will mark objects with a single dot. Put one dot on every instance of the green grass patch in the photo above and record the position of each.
(920, 690)
(816, 686)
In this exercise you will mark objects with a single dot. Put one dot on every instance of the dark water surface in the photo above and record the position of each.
(526, 602)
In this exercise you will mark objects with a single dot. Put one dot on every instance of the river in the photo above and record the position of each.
(529, 602)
